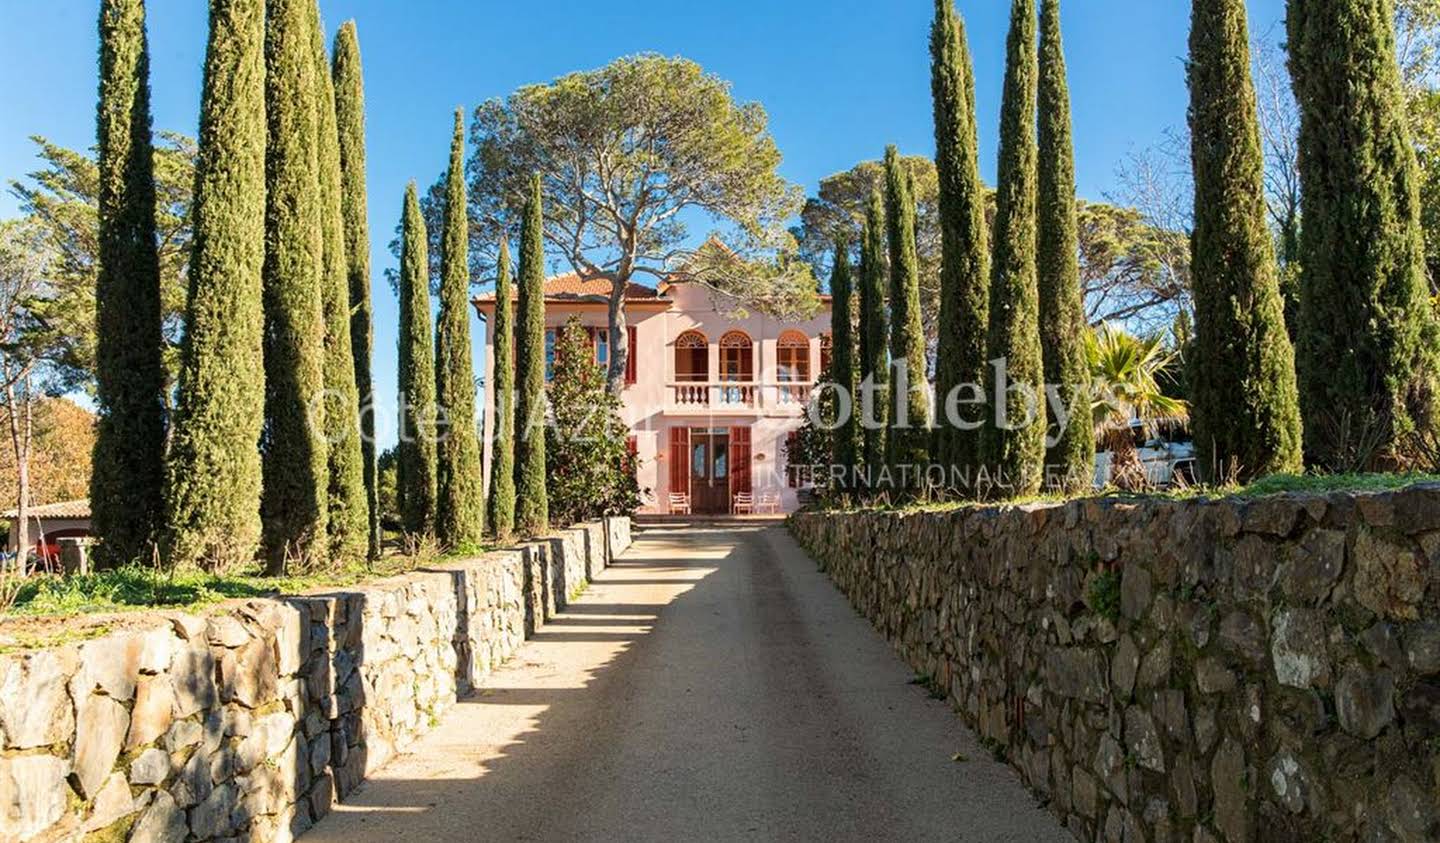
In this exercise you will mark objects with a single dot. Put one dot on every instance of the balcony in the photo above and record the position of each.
(737, 397)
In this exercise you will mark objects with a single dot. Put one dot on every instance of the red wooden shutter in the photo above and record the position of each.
(629, 355)
(632, 451)
(739, 460)
(590, 335)
(680, 460)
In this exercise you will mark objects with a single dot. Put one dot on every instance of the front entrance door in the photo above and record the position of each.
(710, 470)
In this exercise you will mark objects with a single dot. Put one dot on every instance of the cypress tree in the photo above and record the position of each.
(1071, 460)
(127, 481)
(874, 358)
(1366, 355)
(350, 117)
(348, 518)
(1015, 444)
(213, 478)
(502, 447)
(842, 360)
(1245, 408)
(415, 454)
(532, 505)
(907, 441)
(294, 501)
(460, 505)
(964, 253)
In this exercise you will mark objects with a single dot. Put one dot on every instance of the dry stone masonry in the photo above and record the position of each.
(1157, 670)
(250, 722)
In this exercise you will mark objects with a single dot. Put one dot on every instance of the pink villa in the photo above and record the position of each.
(711, 399)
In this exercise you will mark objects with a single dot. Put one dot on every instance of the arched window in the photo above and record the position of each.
(793, 357)
(737, 357)
(692, 357)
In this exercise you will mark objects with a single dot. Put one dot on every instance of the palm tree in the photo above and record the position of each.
(1125, 389)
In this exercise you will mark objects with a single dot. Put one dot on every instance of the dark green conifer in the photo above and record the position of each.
(502, 445)
(213, 478)
(1242, 367)
(348, 519)
(1367, 343)
(846, 441)
(1015, 428)
(350, 118)
(460, 505)
(296, 478)
(874, 333)
(1070, 462)
(908, 439)
(128, 475)
(415, 452)
(532, 505)
(964, 253)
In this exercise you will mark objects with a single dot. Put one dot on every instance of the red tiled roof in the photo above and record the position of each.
(571, 286)
(62, 509)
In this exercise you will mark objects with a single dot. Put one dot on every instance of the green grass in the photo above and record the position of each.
(137, 587)
(1272, 485)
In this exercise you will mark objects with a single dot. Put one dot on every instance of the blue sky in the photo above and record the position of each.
(839, 78)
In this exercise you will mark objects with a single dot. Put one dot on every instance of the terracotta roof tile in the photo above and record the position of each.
(61, 509)
(572, 286)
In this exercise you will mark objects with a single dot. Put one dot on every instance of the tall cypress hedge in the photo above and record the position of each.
(415, 453)
(350, 118)
(296, 478)
(502, 446)
(1015, 450)
(1366, 344)
(1070, 462)
(460, 505)
(128, 475)
(213, 479)
(348, 519)
(842, 359)
(1245, 409)
(908, 440)
(532, 505)
(964, 249)
(874, 333)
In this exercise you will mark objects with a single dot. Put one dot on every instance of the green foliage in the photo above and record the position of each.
(906, 443)
(587, 463)
(1015, 452)
(532, 506)
(62, 200)
(874, 359)
(127, 480)
(294, 455)
(213, 476)
(502, 385)
(965, 257)
(415, 452)
(460, 501)
(350, 120)
(348, 519)
(1242, 366)
(625, 148)
(1366, 342)
(846, 440)
(1071, 460)
(1105, 595)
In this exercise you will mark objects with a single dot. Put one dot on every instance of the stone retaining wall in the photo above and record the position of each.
(1178, 670)
(249, 722)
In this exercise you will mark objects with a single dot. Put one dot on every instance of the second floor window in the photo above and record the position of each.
(737, 358)
(692, 358)
(793, 358)
(601, 342)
